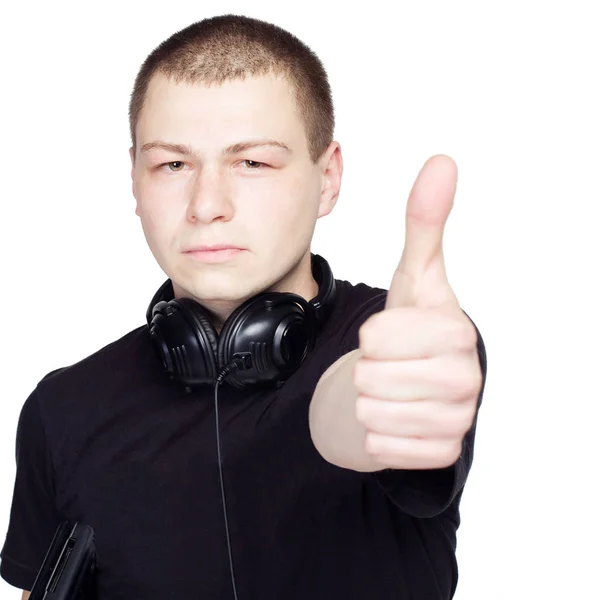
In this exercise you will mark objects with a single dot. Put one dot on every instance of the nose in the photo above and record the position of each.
(210, 198)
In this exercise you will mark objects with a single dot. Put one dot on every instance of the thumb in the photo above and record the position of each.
(420, 278)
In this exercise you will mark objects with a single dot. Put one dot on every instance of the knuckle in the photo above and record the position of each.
(463, 382)
(364, 334)
(470, 384)
(452, 424)
(450, 453)
(473, 389)
(370, 444)
(458, 379)
(462, 421)
(463, 335)
(367, 333)
(476, 379)
(360, 375)
(362, 410)
(469, 417)
(455, 451)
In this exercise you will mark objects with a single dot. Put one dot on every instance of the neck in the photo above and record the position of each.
(299, 280)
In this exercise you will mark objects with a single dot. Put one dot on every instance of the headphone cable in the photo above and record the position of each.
(223, 373)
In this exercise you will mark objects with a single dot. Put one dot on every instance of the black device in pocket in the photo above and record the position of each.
(67, 572)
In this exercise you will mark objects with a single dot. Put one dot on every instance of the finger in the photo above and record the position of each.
(428, 419)
(411, 333)
(427, 210)
(452, 378)
(412, 453)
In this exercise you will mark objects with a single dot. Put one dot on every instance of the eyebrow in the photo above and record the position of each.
(233, 149)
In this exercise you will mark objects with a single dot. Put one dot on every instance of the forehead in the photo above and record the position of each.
(262, 106)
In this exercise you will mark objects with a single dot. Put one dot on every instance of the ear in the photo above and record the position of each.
(132, 157)
(331, 165)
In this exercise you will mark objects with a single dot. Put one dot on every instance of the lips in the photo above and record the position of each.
(214, 254)
(213, 248)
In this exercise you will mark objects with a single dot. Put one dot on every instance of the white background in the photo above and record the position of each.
(509, 90)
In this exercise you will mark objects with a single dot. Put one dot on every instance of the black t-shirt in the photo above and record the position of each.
(112, 442)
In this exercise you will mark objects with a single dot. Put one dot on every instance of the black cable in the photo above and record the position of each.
(225, 371)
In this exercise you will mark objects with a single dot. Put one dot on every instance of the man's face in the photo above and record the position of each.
(225, 189)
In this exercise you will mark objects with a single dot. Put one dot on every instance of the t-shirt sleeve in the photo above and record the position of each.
(33, 516)
(421, 493)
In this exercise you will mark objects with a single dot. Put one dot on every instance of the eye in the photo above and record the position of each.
(253, 165)
(175, 165)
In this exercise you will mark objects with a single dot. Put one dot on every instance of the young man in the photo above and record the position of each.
(343, 477)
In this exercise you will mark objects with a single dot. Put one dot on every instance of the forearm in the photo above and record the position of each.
(335, 431)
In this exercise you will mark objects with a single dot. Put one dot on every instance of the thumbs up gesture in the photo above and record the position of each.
(418, 376)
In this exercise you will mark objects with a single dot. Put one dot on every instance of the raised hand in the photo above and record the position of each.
(418, 375)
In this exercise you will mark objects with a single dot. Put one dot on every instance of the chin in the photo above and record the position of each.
(217, 287)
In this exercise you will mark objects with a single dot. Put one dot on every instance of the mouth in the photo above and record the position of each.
(213, 254)
(214, 248)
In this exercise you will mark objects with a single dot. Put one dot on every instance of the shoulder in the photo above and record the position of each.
(354, 304)
(121, 360)
(350, 295)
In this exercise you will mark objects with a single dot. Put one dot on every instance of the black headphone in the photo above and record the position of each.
(266, 338)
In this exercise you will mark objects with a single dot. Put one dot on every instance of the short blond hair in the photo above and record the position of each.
(229, 47)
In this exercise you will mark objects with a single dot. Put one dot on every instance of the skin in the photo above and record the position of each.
(265, 200)
(406, 397)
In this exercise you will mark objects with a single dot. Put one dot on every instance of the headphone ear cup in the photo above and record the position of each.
(207, 336)
(186, 341)
(274, 331)
(203, 325)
